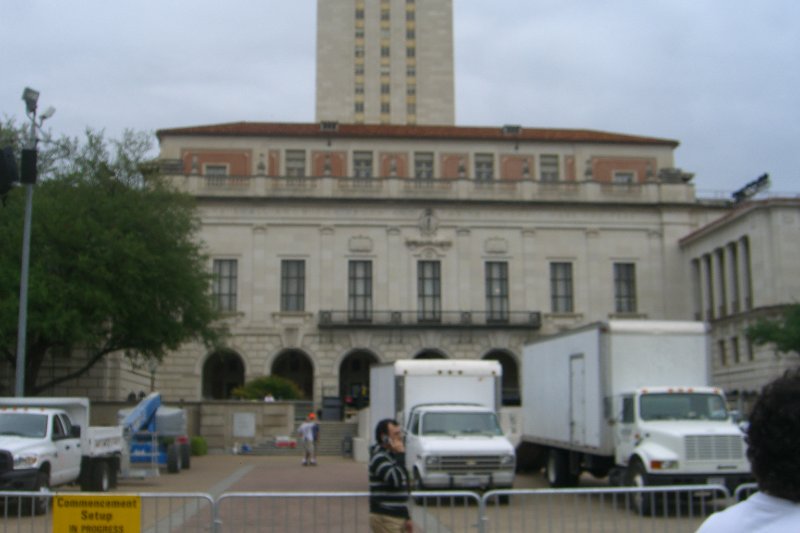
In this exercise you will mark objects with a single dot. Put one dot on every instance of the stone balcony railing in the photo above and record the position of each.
(462, 190)
(331, 319)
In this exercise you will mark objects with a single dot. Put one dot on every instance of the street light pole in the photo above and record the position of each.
(31, 98)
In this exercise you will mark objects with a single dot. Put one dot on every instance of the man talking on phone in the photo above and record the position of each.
(388, 481)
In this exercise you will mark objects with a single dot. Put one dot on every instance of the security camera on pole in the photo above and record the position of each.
(28, 180)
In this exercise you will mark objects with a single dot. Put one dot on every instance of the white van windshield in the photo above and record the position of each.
(460, 424)
(23, 425)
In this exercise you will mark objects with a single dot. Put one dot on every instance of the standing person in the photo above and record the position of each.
(309, 435)
(772, 443)
(388, 481)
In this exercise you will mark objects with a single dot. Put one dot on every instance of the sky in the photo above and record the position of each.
(721, 77)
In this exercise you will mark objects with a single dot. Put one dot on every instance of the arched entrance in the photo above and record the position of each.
(511, 392)
(354, 378)
(223, 371)
(430, 354)
(296, 366)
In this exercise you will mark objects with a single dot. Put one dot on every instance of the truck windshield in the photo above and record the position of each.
(682, 406)
(23, 425)
(460, 424)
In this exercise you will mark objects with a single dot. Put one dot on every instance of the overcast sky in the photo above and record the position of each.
(722, 77)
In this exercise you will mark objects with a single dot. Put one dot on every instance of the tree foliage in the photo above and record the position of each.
(784, 332)
(115, 265)
(279, 387)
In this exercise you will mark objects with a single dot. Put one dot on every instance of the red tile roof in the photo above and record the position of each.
(314, 130)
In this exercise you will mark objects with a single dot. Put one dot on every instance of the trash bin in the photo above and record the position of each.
(347, 446)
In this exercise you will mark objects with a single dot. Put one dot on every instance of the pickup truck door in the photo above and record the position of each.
(67, 466)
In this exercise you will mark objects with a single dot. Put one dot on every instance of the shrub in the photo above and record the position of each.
(199, 445)
(280, 388)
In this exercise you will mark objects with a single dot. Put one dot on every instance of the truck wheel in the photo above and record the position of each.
(100, 479)
(641, 502)
(557, 469)
(38, 505)
(173, 459)
(186, 456)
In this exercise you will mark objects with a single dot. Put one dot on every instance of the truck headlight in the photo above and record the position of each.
(433, 460)
(25, 461)
(664, 465)
(507, 460)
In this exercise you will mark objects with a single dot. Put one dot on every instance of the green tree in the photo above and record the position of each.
(280, 388)
(783, 332)
(115, 265)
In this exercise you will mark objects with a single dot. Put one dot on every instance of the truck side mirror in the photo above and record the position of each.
(75, 432)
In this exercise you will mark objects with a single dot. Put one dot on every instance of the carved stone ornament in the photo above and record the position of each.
(496, 245)
(360, 244)
(428, 223)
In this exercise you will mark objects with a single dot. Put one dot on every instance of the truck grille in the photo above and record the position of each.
(469, 464)
(714, 447)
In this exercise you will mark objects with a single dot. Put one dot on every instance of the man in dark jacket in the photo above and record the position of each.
(388, 481)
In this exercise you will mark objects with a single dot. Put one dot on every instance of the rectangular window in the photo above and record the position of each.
(484, 167)
(224, 285)
(497, 291)
(360, 291)
(423, 165)
(293, 285)
(215, 170)
(561, 288)
(624, 287)
(296, 163)
(723, 354)
(548, 168)
(362, 164)
(623, 178)
(735, 350)
(429, 291)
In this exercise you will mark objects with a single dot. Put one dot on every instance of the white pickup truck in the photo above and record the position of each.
(46, 442)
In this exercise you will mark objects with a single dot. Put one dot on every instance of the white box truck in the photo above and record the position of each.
(448, 409)
(47, 442)
(629, 398)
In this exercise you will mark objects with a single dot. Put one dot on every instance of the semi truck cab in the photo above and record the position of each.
(675, 435)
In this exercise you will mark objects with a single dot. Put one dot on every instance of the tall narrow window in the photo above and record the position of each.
(293, 285)
(624, 287)
(497, 291)
(484, 167)
(362, 164)
(423, 165)
(224, 284)
(296, 163)
(429, 291)
(561, 288)
(548, 167)
(360, 291)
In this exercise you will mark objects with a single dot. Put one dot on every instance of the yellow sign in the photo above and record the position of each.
(76, 513)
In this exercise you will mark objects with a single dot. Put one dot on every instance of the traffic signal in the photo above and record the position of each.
(8, 171)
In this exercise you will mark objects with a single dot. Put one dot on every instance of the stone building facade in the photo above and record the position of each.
(341, 246)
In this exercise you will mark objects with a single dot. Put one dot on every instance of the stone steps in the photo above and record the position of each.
(331, 437)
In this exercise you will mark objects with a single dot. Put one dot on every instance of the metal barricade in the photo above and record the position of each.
(333, 512)
(745, 491)
(157, 512)
(604, 509)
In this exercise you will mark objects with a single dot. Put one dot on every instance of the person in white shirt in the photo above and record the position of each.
(309, 435)
(773, 441)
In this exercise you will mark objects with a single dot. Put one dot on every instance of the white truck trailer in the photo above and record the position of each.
(47, 442)
(448, 409)
(629, 398)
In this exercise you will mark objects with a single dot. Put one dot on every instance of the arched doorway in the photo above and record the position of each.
(430, 354)
(223, 371)
(354, 378)
(511, 392)
(296, 366)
